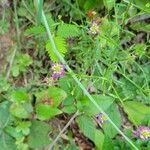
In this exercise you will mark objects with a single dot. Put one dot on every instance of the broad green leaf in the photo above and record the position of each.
(45, 112)
(115, 116)
(108, 144)
(141, 27)
(53, 95)
(103, 101)
(69, 109)
(21, 110)
(136, 111)
(109, 4)
(7, 142)
(13, 132)
(4, 114)
(19, 96)
(87, 127)
(38, 137)
(24, 127)
(89, 5)
(143, 5)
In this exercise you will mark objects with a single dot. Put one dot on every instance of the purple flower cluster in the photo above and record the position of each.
(100, 118)
(58, 71)
(142, 132)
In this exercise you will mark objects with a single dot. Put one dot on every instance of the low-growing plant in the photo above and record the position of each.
(80, 76)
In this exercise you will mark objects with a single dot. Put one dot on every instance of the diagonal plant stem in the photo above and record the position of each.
(78, 82)
(63, 130)
(18, 40)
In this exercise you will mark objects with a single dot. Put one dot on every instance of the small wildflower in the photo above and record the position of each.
(49, 81)
(94, 29)
(58, 71)
(100, 118)
(91, 14)
(142, 133)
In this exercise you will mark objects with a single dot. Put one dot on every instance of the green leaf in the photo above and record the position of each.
(38, 137)
(24, 127)
(35, 30)
(7, 142)
(19, 96)
(15, 71)
(21, 110)
(69, 109)
(68, 31)
(45, 112)
(144, 5)
(109, 4)
(88, 128)
(89, 4)
(60, 45)
(136, 111)
(140, 26)
(4, 114)
(103, 101)
(115, 116)
(53, 95)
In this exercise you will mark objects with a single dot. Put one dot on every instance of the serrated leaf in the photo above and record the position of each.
(19, 96)
(103, 101)
(69, 109)
(60, 45)
(38, 137)
(21, 110)
(53, 95)
(68, 31)
(4, 114)
(144, 5)
(115, 116)
(45, 112)
(7, 142)
(109, 4)
(88, 128)
(136, 111)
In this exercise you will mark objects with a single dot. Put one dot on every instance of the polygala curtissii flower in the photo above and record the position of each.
(58, 71)
(142, 132)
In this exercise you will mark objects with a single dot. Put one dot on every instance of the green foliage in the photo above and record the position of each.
(7, 142)
(22, 61)
(52, 95)
(60, 45)
(87, 127)
(103, 101)
(45, 112)
(38, 137)
(109, 4)
(4, 114)
(68, 31)
(114, 114)
(113, 65)
(136, 111)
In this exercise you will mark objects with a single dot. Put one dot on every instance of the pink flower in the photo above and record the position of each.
(58, 71)
(142, 133)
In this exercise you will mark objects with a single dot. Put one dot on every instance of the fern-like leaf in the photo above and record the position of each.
(60, 45)
(36, 30)
(68, 31)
